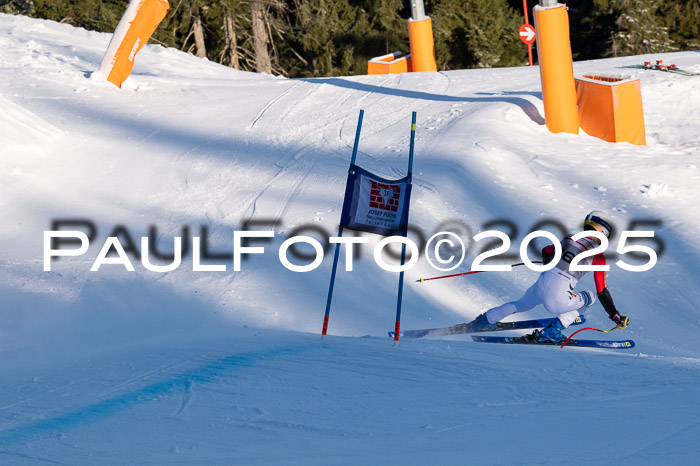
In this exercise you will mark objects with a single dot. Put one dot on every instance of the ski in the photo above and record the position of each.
(466, 328)
(659, 66)
(620, 344)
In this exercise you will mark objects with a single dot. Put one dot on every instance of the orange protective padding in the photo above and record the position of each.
(606, 77)
(611, 110)
(148, 16)
(556, 69)
(396, 62)
(420, 36)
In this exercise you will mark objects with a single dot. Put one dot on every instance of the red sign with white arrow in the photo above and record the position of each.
(527, 33)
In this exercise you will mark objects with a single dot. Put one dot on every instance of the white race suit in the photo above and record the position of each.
(554, 289)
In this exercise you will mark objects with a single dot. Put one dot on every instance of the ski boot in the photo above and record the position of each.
(551, 333)
(481, 323)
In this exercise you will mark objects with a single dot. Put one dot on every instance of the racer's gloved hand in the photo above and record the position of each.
(621, 321)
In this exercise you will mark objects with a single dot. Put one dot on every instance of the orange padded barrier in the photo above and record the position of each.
(396, 62)
(420, 36)
(610, 108)
(556, 69)
(138, 23)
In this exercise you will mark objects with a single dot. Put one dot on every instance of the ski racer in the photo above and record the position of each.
(554, 289)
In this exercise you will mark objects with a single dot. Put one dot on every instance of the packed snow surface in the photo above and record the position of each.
(192, 367)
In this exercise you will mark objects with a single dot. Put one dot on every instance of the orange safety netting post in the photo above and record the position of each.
(420, 38)
(556, 67)
(138, 23)
(610, 108)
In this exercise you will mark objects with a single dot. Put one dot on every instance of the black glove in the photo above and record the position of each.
(621, 321)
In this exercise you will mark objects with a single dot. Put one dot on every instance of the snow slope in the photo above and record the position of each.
(227, 367)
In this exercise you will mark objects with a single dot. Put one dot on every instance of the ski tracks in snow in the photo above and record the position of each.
(272, 102)
(186, 397)
(277, 192)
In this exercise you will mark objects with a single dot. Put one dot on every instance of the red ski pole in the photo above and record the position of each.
(468, 273)
(586, 328)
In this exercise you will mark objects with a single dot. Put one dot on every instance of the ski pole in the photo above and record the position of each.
(587, 328)
(468, 273)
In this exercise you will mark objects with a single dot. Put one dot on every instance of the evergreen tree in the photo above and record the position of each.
(592, 25)
(95, 15)
(388, 22)
(259, 19)
(638, 29)
(234, 27)
(682, 18)
(325, 33)
(17, 7)
(477, 34)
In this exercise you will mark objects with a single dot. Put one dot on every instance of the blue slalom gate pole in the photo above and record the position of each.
(340, 234)
(357, 137)
(397, 326)
(413, 144)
